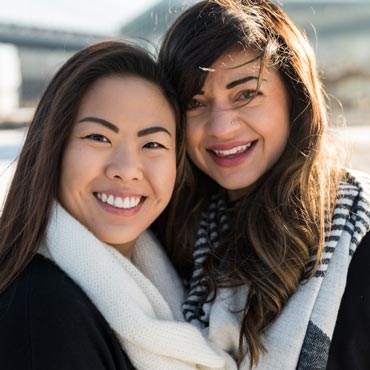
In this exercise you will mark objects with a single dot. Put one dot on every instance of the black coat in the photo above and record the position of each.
(350, 346)
(48, 323)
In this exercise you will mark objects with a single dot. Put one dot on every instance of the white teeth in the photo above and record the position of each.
(237, 149)
(133, 202)
(126, 203)
(110, 200)
(118, 202)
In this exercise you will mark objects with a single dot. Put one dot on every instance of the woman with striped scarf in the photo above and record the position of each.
(269, 232)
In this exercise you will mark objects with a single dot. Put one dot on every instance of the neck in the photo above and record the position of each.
(125, 249)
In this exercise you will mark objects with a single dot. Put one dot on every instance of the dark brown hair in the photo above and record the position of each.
(35, 183)
(279, 225)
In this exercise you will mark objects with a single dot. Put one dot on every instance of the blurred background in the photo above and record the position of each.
(37, 36)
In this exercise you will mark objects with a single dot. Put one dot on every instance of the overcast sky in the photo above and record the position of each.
(104, 16)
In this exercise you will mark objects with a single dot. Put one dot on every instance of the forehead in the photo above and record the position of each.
(236, 65)
(113, 88)
(126, 99)
(236, 60)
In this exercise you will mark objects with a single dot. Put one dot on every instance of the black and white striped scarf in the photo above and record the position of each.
(307, 322)
(213, 222)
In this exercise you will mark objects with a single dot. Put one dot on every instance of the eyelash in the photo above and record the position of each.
(154, 145)
(102, 139)
(192, 101)
(245, 95)
(97, 137)
(249, 94)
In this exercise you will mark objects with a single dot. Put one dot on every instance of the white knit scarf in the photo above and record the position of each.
(141, 303)
(300, 338)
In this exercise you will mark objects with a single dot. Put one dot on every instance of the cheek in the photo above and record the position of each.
(171, 180)
(69, 180)
(189, 138)
(162, 175)
(75, 170)
(276, 128)
(284, 128)
(171, 171)
(280, 141)
(193, 132)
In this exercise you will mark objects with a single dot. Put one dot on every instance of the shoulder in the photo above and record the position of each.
(357, 290)
(350, 348)
(42, 287)
(47, 322)
(359, 268)
(36, 286)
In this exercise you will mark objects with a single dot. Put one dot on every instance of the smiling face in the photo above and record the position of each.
(119, 165)
(232, 142)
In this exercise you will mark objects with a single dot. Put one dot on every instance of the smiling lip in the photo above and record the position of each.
(120, 204)
(231, 154)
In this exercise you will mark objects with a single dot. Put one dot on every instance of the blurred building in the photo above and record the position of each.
(10, 79)
(338, 32)
(29, 57)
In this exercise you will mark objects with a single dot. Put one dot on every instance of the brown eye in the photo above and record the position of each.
(194, 104)
(249, 94)
(97, 137)
(153, 145)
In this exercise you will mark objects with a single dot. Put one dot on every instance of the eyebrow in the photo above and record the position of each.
(153, 130)
(102, 121)
(240, 81)
(232, 84)
(114, 128)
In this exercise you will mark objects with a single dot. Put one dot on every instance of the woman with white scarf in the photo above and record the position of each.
(83, 285)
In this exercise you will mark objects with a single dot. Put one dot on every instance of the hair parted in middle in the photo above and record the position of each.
(35, 184)
(279, 226)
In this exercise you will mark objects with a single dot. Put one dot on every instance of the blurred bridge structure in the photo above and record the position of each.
(41, 38)
(29, 57)
(338, 31)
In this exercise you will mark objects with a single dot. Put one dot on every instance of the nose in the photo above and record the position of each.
(223, 122)
(124, 165)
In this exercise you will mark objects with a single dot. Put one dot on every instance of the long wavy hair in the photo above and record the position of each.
(26, 211)
(278, 228)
